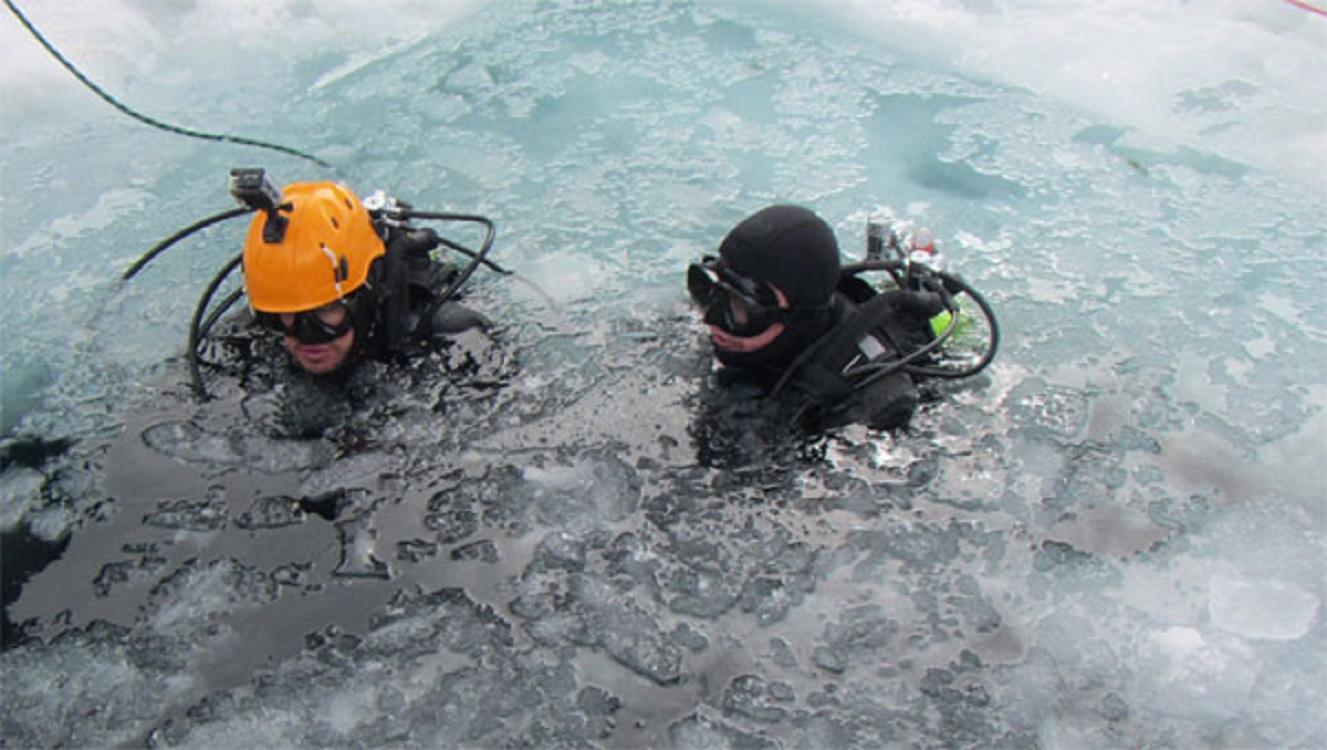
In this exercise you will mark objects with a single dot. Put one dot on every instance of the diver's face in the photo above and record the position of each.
(737, 310)
(324, 357)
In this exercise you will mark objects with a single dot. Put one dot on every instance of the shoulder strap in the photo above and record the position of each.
(392, 322)
(856, 339)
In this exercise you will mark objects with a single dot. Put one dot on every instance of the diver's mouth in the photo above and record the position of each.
(316, 358)
(725, 341)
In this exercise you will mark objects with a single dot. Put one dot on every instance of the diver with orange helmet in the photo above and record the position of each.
(304, 268)
(342, 280)
(338, 285)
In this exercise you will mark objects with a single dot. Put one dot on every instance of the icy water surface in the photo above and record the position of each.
(1113, 537)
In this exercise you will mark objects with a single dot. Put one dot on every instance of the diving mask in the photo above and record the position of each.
(320, 326)
(733, 302)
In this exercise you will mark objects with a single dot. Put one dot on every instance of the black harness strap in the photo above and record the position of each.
(822, 377)
(395, 296)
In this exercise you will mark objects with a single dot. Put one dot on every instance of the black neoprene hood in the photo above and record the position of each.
(795, 250)
(790, 247)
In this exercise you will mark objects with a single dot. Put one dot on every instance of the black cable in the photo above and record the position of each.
(195, 368)
(953, 284)
(221, 137)
(161, 247)
(876, 371)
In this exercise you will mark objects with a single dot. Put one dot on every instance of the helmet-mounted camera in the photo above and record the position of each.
(251, 188)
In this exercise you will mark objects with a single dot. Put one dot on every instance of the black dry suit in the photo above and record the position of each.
(404, 305)
(835, 363)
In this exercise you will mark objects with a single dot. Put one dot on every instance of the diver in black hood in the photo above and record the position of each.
(785, 316)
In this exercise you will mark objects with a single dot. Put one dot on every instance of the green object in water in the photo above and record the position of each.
(940, 322)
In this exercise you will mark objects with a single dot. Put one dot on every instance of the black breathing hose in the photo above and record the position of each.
(165, 244)
(953, 284)
(198, 329)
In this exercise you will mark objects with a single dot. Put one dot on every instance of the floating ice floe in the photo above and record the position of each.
(1268, 610)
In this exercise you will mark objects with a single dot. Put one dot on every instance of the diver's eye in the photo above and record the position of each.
(333, 314)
